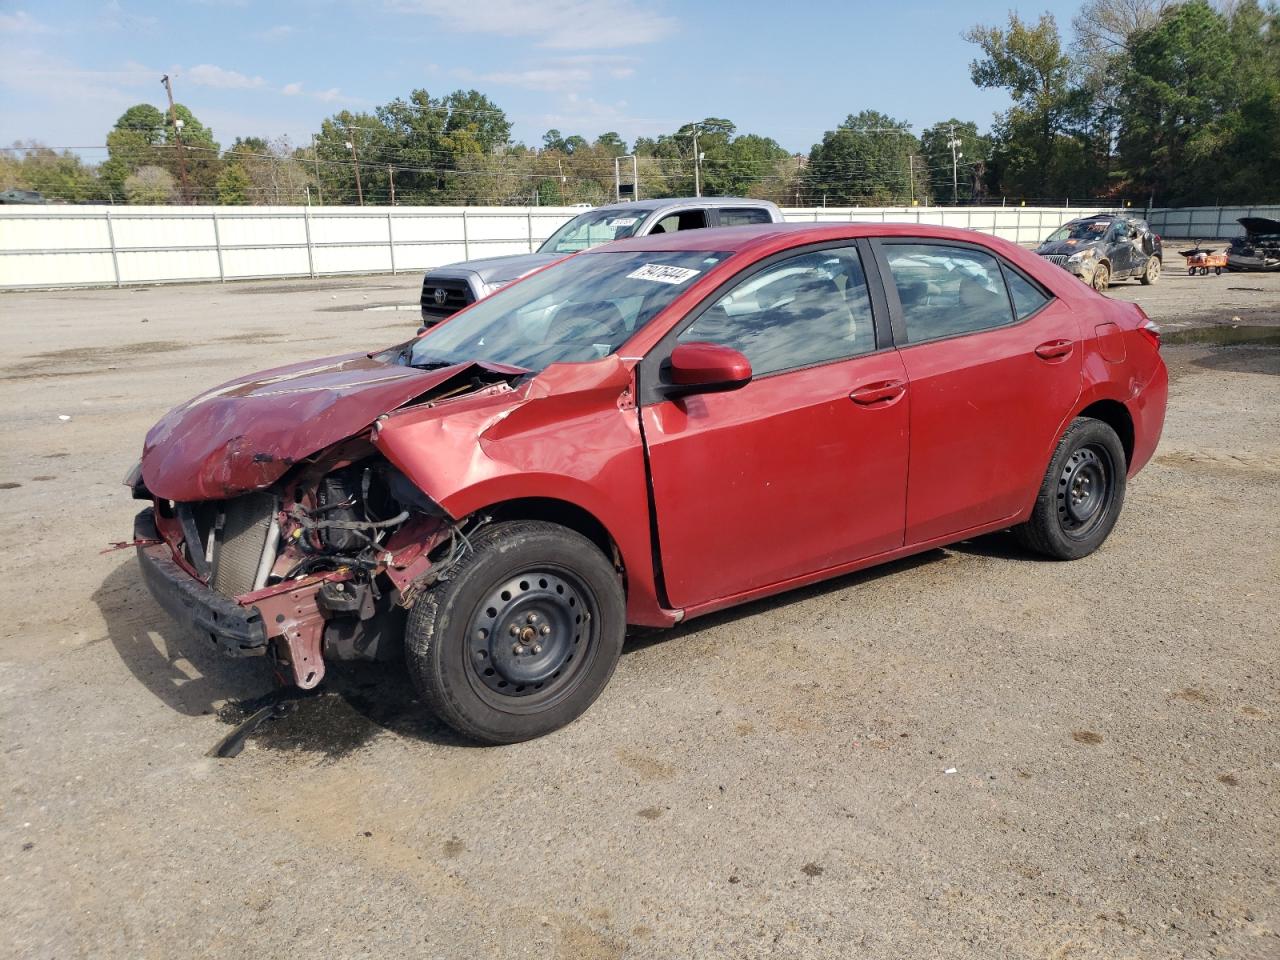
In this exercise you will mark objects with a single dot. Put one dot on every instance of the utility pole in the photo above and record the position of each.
(351, 145)
(911, 177)
(315, 155)
(391, 178)
(953, 143)
(177, 139)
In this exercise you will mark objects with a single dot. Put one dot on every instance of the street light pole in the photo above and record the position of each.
(177, 139)
(953, 143)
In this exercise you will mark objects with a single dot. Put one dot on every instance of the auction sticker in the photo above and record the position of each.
(659, 273)
(622, 222)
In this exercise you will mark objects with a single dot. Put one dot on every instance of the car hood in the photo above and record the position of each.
(1260, 226)
(498, 269)
(245, 434)
(1066, 247)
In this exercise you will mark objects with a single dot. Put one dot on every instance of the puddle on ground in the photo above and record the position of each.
(1224, 336)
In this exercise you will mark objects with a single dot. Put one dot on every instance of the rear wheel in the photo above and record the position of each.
(1151, 272)
(1082, 493)
(523, 635)
(1101, 277)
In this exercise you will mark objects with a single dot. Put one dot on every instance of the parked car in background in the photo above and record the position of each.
(1105, 248)
(651, 431)
(1259, 248)
(447, 289)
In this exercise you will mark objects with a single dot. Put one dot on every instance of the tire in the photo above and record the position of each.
(523, 635)
(1151, 272)
(1191, 271)
(1217, 271)
(1101, 278)
(1082, 493)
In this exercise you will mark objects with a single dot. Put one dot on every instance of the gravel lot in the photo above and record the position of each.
(769, 782)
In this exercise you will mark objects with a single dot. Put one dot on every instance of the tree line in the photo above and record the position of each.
(1156, 100)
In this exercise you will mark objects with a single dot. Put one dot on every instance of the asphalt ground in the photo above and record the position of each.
(773, 781)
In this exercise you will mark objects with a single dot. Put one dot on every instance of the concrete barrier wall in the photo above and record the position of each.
(59, 246)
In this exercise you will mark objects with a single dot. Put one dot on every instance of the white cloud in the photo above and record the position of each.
(21, 22)
(544, 79)
(207, 75)
(278, 32)
(291, 89)
(564, 24)
(328, 96)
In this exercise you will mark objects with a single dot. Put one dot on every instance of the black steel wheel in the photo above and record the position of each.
(522, 636)
(1082, 493)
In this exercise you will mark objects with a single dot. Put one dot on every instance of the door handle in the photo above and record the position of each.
(884, 391)
(1054, 349)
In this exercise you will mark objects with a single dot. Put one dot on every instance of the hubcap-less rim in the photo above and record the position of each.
(1100, 278)
(1153, 269)
(530, 639)
(1085, 490)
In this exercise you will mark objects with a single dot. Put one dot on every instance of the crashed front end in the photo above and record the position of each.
(269, 549)
(1258, 251)
(1072, 258)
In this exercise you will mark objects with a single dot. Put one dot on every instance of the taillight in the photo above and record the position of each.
(1151, 331)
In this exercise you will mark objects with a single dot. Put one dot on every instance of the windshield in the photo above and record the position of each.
(580, 309)
(1080, 230)
(589, 230)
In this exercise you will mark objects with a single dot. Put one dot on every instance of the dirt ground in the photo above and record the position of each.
(776, 781)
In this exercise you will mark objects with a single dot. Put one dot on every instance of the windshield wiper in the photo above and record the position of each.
(429, 363)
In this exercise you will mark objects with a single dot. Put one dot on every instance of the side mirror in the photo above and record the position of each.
(704, 367)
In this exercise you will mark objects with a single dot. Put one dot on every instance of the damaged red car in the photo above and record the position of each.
(643, 433)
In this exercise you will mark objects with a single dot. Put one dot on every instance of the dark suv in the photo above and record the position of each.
(1104, 248)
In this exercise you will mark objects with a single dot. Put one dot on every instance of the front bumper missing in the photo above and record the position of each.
(241, 627)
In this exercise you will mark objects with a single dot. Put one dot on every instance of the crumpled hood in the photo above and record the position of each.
(245, 434)
(497, 269)
(1065, 248)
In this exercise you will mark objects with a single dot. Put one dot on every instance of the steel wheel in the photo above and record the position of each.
(531, 639)
(1085, 491)
(1101, 277)
(1151, 273)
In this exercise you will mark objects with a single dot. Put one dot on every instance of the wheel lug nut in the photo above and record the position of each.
(544, 629)
(517, 649)
(515, 630)
(536, 648)
(532, 618)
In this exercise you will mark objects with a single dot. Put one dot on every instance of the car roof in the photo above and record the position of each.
(662, 203)
(738, 239)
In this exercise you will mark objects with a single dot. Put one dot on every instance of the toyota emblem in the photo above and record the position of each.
(440, 296)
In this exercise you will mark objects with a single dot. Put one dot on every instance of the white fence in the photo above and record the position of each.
(1206, 223)
(60, 246)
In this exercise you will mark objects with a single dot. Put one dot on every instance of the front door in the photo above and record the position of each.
(805, 467)
(993, 366)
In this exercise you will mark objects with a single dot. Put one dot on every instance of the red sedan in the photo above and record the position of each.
(643, 433)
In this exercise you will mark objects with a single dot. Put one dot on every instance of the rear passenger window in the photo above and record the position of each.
(1027, 297)
(740, 216)
(802, 311)
(946, 291)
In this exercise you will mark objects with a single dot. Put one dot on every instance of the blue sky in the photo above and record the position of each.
(639, 67)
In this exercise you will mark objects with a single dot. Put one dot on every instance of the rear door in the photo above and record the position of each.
(805, 467)
(993, 367)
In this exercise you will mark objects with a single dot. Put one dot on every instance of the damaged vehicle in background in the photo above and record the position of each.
(1259, 249)
(447, 289)
(1105, 248)
(645, 433)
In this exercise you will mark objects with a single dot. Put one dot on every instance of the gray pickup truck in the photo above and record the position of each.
(447, 289)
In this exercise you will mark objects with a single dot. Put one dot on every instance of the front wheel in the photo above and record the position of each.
(1082, 493)
(522, 636)
(1151, 272)
(1101, 277)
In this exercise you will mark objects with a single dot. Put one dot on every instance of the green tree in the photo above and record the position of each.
(234, 185)
(865, 160)
(1032, 153)
(936, 159)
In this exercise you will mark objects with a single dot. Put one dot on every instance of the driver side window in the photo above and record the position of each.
(801, 311)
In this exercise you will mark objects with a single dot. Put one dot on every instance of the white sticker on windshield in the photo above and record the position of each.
(659, 273)
(622, 221)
